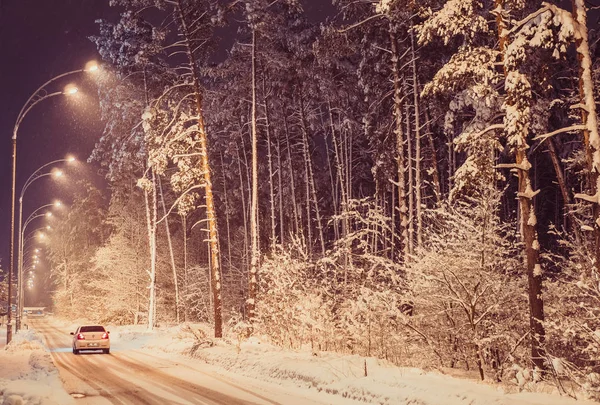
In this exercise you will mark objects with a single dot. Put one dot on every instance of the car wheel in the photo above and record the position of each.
(106, 351)
(75, 351)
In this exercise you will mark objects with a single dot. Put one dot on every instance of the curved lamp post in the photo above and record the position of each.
(39, 95)
(21, 244)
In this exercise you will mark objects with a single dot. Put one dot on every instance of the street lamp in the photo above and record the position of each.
(36, 97)
(36, 175)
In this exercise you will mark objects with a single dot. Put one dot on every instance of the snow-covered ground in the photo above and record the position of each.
(27, 375)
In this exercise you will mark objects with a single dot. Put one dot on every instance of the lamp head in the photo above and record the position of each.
(48, 214)
(57, 203)
(91, 66)
(70, 90)
(70, 158)
(57, 173)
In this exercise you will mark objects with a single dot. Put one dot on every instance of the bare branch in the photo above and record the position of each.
(360, 23)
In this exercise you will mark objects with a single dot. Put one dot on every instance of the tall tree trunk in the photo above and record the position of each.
(518, 101)
(411, 179)
(418, 185)
(215, 266)
(244, 208)
(253, 274)
(171, 255)
(306, 161)
(151, 225)
(400, 154)
(228, 226)
(339, 164)
(248, 170)
(332, 180)
(565, 192)
(589, 118)
(312, 192)
(294, 203)
(451, 161)
(185, 268)
(437, 189)
(151, 230)
(280, 191)
(393, 225)
(270, 167)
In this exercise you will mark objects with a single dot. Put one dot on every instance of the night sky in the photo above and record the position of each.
(40, 39)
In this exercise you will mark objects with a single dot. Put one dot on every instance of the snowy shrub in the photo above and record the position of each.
(291, 310)
(573, 316)
(373, 324)
(121, 274)
(368, 287)
(197, 294)
(466, 287)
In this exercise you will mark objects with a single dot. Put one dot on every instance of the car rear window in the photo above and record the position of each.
(92, 329)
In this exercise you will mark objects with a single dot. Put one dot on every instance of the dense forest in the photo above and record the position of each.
(416, 181)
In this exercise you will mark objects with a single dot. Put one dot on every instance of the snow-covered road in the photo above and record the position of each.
(135, 377)
(164, 367)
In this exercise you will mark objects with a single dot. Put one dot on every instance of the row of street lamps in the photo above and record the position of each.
(36, 97)
(38, 174)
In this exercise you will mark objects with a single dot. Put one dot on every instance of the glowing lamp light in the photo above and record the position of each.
(58, 173)
(48, 214)
(71, 89)
(91, 66)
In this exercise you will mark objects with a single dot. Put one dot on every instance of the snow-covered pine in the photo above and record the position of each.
(467, 20)
(173, 123)
(399, 150)
(70, 249)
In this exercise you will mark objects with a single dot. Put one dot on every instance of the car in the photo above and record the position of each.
(91, 337)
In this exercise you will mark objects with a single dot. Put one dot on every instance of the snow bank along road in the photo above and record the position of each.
(135, 377)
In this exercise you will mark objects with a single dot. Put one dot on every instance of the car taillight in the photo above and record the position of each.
(80, 336)
(105, 335)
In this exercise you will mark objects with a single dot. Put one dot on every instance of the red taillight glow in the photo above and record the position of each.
(105, 335)
(80, 336)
